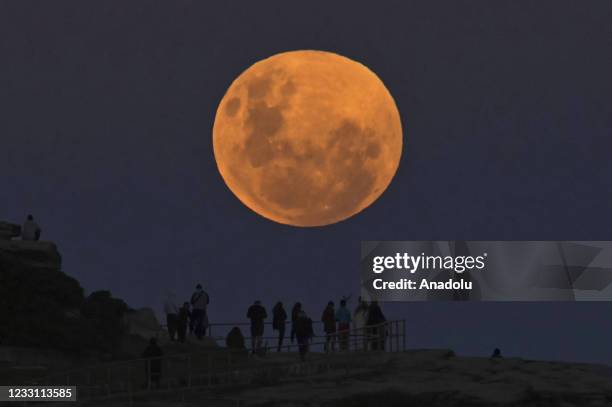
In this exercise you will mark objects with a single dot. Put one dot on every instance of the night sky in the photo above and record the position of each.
(106, 111)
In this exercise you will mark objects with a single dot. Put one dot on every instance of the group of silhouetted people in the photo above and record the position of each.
(301, 328)
(367, 321)
(192, 315)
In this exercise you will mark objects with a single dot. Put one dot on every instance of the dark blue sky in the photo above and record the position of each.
(106, 112)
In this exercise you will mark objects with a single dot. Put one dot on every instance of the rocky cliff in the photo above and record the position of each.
(438, 378)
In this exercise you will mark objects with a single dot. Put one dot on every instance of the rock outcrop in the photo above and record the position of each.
(29, 256)
(142, 322)
(9, 230)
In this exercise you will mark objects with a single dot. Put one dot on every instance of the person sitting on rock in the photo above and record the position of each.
(257, 313)
(235, 339)
(30, 230)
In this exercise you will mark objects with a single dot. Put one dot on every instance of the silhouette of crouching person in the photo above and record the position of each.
(153, 363)
(234, 339)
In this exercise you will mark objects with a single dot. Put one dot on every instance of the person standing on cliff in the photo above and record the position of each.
(30, 230)
(184, 316)
(303, 333)
(200, 301)
(343, 316)
(171, 311)
(329, 326)
(377, 331)
(279, 317)
(360, 319)
(257, 314)
(295, 311)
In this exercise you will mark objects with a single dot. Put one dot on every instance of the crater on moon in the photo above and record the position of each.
(307, 138)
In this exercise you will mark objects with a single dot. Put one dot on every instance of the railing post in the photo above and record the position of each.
(148, 362)
(108, 381)
(404, 334)
(229, 366)
(209, 363)
(189, 371)
(397, 336)
(129, 382)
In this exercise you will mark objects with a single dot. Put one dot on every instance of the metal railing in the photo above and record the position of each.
(222, 366)
(220, 339)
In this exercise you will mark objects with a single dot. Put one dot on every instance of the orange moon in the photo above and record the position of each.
(307, 138)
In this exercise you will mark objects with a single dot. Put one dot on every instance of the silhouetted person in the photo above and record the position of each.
(30, 230)
(199, 302)
(343, 317)
(279, 317)
(376, 329)
(329, 326)
(496, 354)
(303, 333)
(234, 339)
(183, 319)
(153, 354)
(257, 313)
(360, 319)
(295, 311)
(171, 312)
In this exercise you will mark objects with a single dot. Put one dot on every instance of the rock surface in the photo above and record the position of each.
(29, 255)
(439, 379)
(9, 230)
(142, 322)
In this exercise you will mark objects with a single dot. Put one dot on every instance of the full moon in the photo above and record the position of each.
(307, 138)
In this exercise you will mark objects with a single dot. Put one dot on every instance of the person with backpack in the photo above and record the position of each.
(279, 317)
(303, 333)
(329, 326)
(199, 302)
